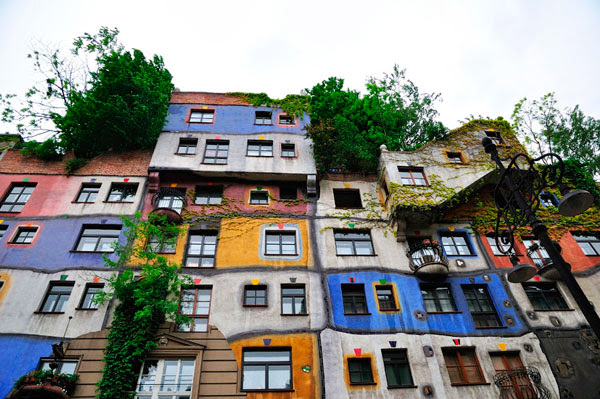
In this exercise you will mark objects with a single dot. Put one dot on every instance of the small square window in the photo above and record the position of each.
(386, 297)
(347, 198)
(397, 369)
(589, 243)
(202, 116)
(98, 238)
(286, 120)
(545, 296)
(91, 292)
(88, 193)
(437, 298)
(255, 295)
(293, 299)
(262, 118)
(216, 152)
(202, 249)
(360, 371)
(412, 176)
(455, 157)
(266, 369)
(187, 146)
(288, 193)
(17, 197)
(260, 148)
(353, 242)
(463, 366)
(495, 137)
(280, 243)
(288, 150)
(208, 195)
(456, 244)
(64, 366)
(354, 300)
(195, 304)
(259, 198)
(25, 235)
(122, 192)
(57, 296)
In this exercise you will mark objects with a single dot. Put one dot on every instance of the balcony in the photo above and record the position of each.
(169, 202)
(428, 261)
(521, 383)
(44, 384)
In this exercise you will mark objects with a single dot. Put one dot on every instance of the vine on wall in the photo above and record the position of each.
(292, 104)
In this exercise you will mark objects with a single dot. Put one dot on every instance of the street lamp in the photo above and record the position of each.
(517, 198)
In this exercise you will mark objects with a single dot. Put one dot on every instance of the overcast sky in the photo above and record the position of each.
(482, 56)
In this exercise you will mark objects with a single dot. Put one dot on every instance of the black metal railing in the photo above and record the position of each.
(169, 198)
(426, 254)
(521, 383)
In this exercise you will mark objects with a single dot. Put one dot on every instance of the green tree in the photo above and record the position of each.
(146, 298)
(118, 100)
(543, 127)
(348, 128)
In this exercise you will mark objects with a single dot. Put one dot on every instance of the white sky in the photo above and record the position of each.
(483, 56)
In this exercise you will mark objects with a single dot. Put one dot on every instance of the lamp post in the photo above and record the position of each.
(517, 199)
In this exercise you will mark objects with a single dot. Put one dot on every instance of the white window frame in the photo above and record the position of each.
(154, 392)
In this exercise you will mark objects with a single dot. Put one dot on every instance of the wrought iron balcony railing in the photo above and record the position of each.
(521, 383)
(169, 202)
(427, 260)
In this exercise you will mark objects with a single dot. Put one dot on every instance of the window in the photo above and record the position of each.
(481, 306)
(262, 118)
(88, 192)
(259, 148)
(120, 192)
(288, 150)
(166, 379)
(495, 137)
(208, 195)
(359, 370)
(98, 238)
(91, 291)
(17, 197)
(57, 297)
(286, 120)
(266, 370)
(293, 299)
(171, 198)
(456, 244)
(455, 157)
(202, 116)
(437, 298)
(202, 249)
(288, 193)
(1, 284)
(187, 146)
(347, 198)
(24, 235)
(463, 366)
(195, 304)
(3, 229)
(589, 244)
(385, 297)
(412, 176)
(547, 199)
(216, 152)
(259, 198)
(281, 243)
(545, 296)
(168, 245)
(354, 299)
(64, 366)
(537, 253)
(518, 386)
(255, 295)
(397, 369)
(493, 245)
(353, 242)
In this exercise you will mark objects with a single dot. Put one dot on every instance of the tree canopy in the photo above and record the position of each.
(348, 128)
(118, 101)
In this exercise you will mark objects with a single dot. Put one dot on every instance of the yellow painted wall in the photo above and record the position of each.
(304, 353)
(240, 242)
(177, 257)
(361, 387)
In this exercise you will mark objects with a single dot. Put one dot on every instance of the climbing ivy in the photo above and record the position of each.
(146, 298)
(292, 104)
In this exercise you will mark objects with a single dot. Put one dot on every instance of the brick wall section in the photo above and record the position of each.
(133, 163)
(186, 97)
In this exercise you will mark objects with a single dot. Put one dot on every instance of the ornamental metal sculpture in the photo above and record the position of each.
(521, 383)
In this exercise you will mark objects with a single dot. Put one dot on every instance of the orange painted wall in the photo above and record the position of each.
(304, 353)
(361, 387)
(6, 278)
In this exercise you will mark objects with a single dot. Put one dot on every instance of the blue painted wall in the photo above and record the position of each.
(228, 119)
(411, 300)
(20, 355)
(51, 247)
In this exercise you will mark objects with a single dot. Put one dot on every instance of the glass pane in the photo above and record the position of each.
(344, 247)
(49, 304)
(253, 377)
(287, 304)
(363, 248)
(300, 305)
(280, 377)
(266, 356)
(87, 244)
(200, 325)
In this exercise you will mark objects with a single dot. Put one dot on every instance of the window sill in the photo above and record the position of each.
(215, 164)
(200, 123)
(197, 267)
(40, 312)
(390, 310)
(259, 156)
(220, 203)
(349, 207)
(182, 154)
(293, 314)
(82, 202)
(263, 124)
(554, 310)
(357, 314)
(267, 390)
(462, 256)
(280, 254)
(468, 384)
(356, 255)
(118, 202)
(490, 328)
(402, 386)
(363, 383)
(255, 306)
(284, 157)
(91, 252)
(86, 308)
(451, 312)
